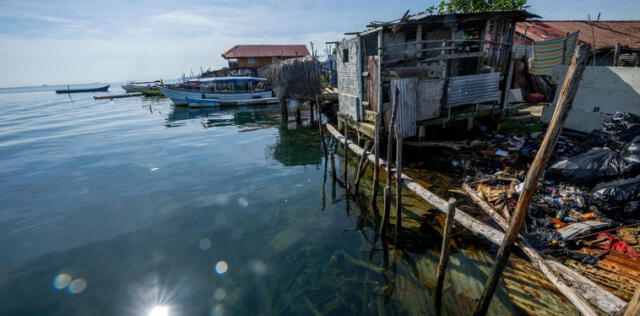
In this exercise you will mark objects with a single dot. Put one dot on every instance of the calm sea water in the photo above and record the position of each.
(137, 207)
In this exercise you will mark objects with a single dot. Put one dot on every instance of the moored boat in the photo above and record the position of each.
(136, 86)
(117, 96)
(69, 90)
(204, 103)
(218, 88)
(151, 93)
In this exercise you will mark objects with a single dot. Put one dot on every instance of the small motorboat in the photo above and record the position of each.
(151, 93)
(69, 90)
(136, 86)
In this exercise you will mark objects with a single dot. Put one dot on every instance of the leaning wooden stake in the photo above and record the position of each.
(387, 201)
(333, 167)
(570, 282)
(361, 167)
(633, 309)
(346, 158)
(567, 93)
(398, 186)
(444, 254)
(324, 142)
(376, 162)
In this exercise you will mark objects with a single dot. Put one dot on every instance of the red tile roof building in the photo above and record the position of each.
(247, 59)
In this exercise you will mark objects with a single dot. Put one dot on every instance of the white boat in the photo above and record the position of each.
(136, 86)
(219, 90)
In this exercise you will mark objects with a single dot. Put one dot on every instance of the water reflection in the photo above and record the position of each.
(298, 146)
(212, 117)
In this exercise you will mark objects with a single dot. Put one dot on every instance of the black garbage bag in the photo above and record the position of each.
(588, 168)
(620, 198)
(620, 129)
(630, 154)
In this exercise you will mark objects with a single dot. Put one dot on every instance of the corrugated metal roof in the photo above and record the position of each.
(607, 33)
(239, 51)
(426, 17)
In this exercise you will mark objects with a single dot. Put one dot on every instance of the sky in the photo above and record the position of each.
(71, 41)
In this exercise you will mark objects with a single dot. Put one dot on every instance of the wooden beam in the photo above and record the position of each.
(398, 186)
(633, 309)
(444, 254)
(565, 99)
(599, 297)
(507, 85)
(616, 54)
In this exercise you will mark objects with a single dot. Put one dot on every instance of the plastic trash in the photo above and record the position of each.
(502, 153)
(630, 154)
(589, 167)
(618, 197)
(620, 129)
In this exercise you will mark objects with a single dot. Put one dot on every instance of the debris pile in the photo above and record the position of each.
(589, 198)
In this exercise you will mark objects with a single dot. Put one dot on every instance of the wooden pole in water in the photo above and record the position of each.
(362, 166)
(387, 189)
(376, 164)
(324, 142)
(398, 186)
(346, 157)
(284, 108)
(312, 118)
(298, 115)
(333, 167)
(378, 125)
(565, 98)
(444, 254)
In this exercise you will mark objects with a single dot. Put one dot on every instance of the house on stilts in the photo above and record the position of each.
(443, 68)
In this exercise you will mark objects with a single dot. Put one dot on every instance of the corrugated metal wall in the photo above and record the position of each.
(408, 99)
(430, 93)
(473, 89)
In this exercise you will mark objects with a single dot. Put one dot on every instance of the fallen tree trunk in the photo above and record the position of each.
(611, 305)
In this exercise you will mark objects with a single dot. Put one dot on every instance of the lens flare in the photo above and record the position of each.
(159, 310)
(221, 267)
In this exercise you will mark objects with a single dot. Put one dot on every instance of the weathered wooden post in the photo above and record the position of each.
(284, 108)
(346, 155)
(376, 137)
(333, 167)
(387, 189)
(565, 98)
(444, 254)
(362, 166)
(633, 308)
(376, 167)
(398, 186)
(324, 142)
(298, 115)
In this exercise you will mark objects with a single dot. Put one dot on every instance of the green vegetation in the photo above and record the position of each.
(467, 6)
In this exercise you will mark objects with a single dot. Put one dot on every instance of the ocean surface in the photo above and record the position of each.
(138, 207)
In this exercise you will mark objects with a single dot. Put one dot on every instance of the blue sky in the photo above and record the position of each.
(70, 41)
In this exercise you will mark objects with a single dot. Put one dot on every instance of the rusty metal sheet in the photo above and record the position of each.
(372, 83)
(473, 89)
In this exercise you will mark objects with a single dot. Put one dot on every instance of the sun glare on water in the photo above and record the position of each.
(159, 311)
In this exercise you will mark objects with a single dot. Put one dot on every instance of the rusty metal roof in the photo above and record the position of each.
(607, 33)
(239, 51)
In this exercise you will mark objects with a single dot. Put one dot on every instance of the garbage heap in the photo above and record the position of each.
(589, 196)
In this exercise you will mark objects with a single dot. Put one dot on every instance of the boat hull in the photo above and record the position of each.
(179, 96)
(151, 93)
(210, 103)
(99, 89)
